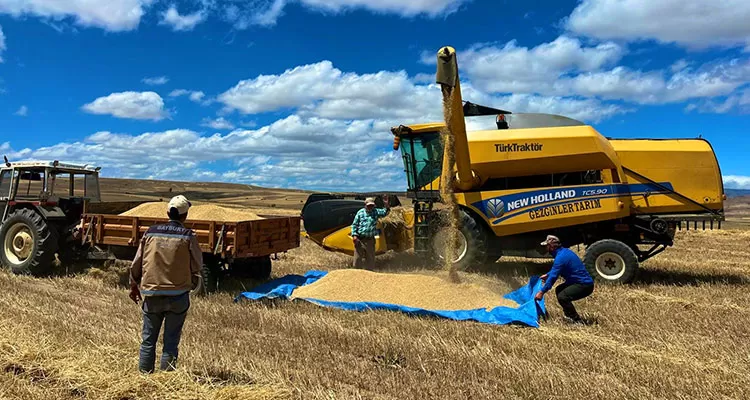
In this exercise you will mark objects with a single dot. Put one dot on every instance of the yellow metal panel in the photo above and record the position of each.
(688, 166)
(524, 152)
(341, 241)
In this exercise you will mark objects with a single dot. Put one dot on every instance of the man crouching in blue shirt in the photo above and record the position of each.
(578, 282)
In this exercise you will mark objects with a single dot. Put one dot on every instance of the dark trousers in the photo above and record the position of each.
(364, 253)
(169, 311)
(568, 293)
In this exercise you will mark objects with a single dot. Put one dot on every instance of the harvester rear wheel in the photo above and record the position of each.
(28, 243)
(471, 244)
(611, 261)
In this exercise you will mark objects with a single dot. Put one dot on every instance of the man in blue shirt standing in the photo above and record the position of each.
(578, 282)
(364, 230)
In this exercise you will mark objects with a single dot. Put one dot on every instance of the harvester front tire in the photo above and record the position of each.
(28, 243)
(473, 236)
(611, 261)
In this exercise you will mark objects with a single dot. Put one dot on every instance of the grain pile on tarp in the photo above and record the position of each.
(410, 290)
(199, 212)
(358, 290)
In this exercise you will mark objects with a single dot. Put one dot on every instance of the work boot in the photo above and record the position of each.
(574, 320)
(168, 363)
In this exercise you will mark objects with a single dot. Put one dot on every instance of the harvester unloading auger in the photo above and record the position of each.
(538, 174)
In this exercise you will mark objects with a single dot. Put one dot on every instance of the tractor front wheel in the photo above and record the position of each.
(28, 243)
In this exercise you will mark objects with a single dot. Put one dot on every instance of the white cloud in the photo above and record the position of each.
(679, 65)
(23, 111)
(244, 14)
(155, 81)
(399, 7)
(654, 87)
(565, 67)
(305, 84)
(514, 69)
(218, 123)
(111, 15)
(180, 22)
(2, 43)
(324, 91)
(739, 103)
(292, 152)
(195, 96)
(736, 182)
(132, 105)
(695, 24)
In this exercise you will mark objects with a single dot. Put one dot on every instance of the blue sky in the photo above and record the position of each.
(301, 93)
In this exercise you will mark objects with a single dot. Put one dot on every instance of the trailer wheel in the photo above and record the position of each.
(262, 269)
(28, 243)
(258, 268)
(210, 276)
(471, 242)
(611, 261)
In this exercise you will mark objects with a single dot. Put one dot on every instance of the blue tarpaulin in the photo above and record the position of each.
(527, 312)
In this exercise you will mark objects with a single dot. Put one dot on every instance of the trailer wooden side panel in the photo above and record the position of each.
(231, 239)
(267, 236)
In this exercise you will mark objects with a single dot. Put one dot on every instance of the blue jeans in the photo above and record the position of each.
(171, 312)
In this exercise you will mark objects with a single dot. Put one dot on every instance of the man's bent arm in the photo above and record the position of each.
(553, 274)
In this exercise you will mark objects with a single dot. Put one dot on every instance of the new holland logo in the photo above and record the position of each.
(495, 208)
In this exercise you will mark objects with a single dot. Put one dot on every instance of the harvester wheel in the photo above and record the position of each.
(28, 243)
(611, 261)
(471, 247)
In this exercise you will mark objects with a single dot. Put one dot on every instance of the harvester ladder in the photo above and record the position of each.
(422, 213)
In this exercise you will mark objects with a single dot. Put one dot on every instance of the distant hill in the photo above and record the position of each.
(737, 192)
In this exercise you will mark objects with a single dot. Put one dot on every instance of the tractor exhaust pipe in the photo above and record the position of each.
(447, 77)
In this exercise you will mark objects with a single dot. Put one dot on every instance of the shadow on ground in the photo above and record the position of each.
(687, 278)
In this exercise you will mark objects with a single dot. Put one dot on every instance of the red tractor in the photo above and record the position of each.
(42, 203)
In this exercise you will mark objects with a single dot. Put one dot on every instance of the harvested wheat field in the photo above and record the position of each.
(411, 290)
(199, 212)
(678, 333)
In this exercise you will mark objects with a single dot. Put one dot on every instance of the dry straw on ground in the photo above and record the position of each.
(676, 333)
(411, 290)
(200, 212)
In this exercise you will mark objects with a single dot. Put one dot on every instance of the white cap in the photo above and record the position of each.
(551, 239)
(181, 203)
(369, 201)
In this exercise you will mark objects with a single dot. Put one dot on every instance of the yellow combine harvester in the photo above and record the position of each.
(538, 174)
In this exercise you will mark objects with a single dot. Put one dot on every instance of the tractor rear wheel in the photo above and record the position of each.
(470, 246)
(28, 243)
(611, 261)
